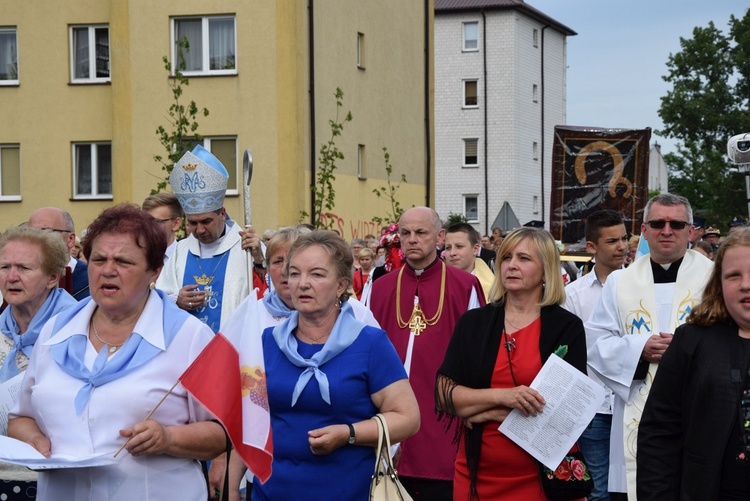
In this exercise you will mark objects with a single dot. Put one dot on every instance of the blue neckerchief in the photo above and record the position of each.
(276, 306)
(57, 300)
(69, 354)
(345, 332)
(210, 312)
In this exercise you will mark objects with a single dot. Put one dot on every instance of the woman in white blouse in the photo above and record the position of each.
(99, 367)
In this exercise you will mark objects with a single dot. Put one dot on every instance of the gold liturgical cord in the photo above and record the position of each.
(417, 323)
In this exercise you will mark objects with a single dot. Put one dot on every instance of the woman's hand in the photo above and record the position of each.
(324, 441)
(496, 415)
(147, 437)
(26, 430)
(42, 444)
(523, 398)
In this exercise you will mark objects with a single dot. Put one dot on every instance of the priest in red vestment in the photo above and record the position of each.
(418, 305)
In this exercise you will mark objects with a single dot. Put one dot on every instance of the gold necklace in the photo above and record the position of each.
(205, 279)
(313, 340)
(111, 348)
(417, 321)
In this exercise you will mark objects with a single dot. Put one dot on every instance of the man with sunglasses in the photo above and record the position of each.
(632, 325)
(59, 221)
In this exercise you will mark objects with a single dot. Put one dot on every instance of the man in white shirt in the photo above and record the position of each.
(166, 209)
(607, 240)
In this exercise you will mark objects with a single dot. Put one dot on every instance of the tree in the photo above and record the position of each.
(389, 193)
(181, 131)
(708, 103)
(322, 188)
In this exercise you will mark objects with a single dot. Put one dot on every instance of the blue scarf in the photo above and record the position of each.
(345, 332)
(57, 300)
(276, 306)
(69, 354)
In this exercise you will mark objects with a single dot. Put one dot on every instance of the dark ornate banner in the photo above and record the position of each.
(593, 169)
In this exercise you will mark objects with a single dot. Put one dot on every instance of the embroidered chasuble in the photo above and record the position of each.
(209, 274)
(430, 453)
(633, 308)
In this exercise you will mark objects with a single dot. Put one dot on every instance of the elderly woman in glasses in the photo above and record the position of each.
(101, 365)
(694, 436)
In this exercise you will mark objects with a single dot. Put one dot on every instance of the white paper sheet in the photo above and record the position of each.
(572, 400)
(8, 395)
(17, 452)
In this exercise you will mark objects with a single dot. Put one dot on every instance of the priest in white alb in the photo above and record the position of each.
(633, 324)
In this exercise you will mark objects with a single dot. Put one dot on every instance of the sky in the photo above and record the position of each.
(617, 59)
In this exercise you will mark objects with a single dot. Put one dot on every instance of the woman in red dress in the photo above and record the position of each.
(495, 353)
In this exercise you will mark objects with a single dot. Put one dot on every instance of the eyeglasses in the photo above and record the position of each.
(658, 224)
(56, 230)
(165, 220)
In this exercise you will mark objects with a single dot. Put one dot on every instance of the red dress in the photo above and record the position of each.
(506, 472)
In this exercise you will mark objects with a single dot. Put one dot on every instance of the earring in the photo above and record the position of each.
(544, 285)
(152, 286)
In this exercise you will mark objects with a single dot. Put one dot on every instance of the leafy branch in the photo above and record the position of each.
(180, 132)
(389, 192)
(322, 189)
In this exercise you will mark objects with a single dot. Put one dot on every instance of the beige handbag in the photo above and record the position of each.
(385, 485)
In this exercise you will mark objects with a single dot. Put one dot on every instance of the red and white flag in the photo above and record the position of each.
(231, 384)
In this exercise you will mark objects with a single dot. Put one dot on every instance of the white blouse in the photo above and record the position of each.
(47, 395)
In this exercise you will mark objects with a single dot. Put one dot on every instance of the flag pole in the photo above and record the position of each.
(150, 413)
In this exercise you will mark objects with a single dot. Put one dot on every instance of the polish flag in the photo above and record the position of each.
(237, 395)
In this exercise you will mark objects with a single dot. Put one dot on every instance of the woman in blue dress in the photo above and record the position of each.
(328, 374)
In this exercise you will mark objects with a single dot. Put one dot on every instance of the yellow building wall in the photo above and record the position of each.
(266, 105)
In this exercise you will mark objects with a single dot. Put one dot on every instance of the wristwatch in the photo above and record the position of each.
(352, 437)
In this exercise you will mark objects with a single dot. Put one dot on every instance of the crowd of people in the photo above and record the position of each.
(435, 327)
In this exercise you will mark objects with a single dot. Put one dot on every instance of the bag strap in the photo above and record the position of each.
(384, 444)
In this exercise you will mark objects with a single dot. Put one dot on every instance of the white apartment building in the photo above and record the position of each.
(500, 69)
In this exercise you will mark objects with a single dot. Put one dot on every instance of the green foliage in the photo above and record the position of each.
(180, 134)
(322, 189)
(708, 103)
(455, 218)
(389, 193)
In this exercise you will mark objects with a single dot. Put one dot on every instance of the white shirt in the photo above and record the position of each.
(47, 395)
(581, 297)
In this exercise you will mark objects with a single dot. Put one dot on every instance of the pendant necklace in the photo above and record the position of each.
(313, 340)
(111, 348)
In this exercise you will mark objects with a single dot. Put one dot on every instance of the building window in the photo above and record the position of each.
(92, 170)
(89, 54)
(535, 150)
(471, 156)
(361, 171)
(361, 51)
(471, 208)
(225, 149)
(10, 172)
(535, 93)
(471, 36)
(8, 56)
(470, 94)
(211, 45)
(535, 37)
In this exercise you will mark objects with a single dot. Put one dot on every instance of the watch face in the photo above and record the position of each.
(352, 440)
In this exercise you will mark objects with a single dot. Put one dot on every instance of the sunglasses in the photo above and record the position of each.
(658, 224)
